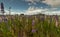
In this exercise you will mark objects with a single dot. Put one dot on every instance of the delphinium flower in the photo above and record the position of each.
(5, 20)
(20, 19)
(42, 18)
(3, 17)
(56, 23)
(12, 18)
(33, 30)
(50, 20)
(35, 17)
(27, 19)
(33, 22)
(0, 19)
(56, 18)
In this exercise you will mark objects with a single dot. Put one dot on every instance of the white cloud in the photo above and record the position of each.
(52, 12)
(53, 3)
(32, 1)
(34, 10)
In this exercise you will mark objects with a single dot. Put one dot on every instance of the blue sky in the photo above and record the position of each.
(24, 5)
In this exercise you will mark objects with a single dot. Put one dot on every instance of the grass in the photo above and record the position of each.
(23, 28)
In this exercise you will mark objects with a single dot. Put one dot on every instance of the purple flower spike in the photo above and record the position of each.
(33, 30)
(42, 18)
(5, 20)
(33, 22)
(56, 17)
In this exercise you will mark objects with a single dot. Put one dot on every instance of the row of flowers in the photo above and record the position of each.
(27, 27)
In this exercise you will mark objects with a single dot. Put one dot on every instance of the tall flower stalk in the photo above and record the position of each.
(33, 28)
(56, 18)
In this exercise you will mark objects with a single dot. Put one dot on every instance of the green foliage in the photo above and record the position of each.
(15, 28)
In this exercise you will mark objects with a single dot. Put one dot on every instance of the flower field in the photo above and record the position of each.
(29, 26)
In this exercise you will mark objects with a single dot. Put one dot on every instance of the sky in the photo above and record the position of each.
(31, 7)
